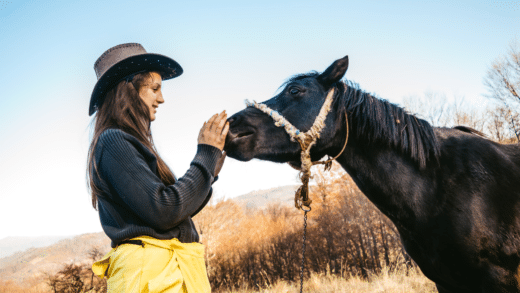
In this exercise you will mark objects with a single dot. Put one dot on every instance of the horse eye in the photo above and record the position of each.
(294, 91)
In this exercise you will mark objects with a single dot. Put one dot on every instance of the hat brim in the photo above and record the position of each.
(165, 66)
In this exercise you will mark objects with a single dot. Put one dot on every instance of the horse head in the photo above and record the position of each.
(253, 134)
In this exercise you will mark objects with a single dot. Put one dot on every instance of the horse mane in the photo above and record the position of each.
(379, 122)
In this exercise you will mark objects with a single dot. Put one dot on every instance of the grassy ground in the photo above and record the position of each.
(393, 283)
(414, 282)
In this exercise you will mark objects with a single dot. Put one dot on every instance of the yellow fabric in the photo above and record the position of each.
(166, 266)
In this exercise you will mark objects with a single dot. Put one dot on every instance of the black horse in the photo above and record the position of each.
(453, 195)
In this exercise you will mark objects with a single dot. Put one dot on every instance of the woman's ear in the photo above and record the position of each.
(333, 73)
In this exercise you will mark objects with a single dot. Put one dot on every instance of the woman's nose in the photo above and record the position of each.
(160, 99)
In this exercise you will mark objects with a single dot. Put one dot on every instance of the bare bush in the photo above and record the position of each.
(498, 121)
(503, 124)
(432, 107)
(439, 111)
(77, 278)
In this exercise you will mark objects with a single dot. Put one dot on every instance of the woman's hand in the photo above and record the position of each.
(214, 131)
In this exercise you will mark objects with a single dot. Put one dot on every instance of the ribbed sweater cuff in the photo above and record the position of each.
(207, 155)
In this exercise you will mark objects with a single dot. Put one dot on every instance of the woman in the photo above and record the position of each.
(143, 208)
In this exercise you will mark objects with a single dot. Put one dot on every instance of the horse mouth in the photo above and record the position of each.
(234, 137)
(242, 135)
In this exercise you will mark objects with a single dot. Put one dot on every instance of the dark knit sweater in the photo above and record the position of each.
(134, 201)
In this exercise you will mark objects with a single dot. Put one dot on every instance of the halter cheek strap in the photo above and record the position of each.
(306, 141)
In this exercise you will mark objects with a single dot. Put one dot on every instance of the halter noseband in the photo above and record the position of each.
(306, 141)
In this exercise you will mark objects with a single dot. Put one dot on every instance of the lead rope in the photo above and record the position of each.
(303, 246)
(328, 165)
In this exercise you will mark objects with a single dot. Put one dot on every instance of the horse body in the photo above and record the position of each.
(452, 194)
(458, 219)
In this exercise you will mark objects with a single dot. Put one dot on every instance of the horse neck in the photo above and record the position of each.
(391, 180)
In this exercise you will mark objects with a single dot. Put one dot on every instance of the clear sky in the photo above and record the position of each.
(230, 51)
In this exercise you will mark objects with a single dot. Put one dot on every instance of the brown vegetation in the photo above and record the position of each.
(347, 237)
(77, 278)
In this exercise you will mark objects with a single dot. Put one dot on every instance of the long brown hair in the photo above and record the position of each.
(123, 109)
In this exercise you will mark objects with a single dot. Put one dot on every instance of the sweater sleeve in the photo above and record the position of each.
(124, 167)
(204, 203)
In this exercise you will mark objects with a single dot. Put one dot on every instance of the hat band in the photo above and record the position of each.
(129, 78)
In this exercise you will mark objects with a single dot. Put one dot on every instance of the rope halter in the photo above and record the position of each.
(306, 141)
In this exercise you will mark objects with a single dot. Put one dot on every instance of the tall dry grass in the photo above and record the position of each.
(396, 282)
(347, 238)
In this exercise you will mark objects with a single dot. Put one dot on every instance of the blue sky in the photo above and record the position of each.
(230, 51)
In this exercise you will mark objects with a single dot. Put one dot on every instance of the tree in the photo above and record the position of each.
(438, 111)
(503, 78)
(67, 280)
(433, 107)
(100, 286)
(503, 82)
(76, 278)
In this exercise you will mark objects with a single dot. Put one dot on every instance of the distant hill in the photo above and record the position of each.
(35, 262)
(10, 245)
(260, 199)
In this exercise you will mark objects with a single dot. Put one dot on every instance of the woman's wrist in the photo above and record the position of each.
(208, 156)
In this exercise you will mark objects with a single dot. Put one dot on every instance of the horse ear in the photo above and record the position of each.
(334, 73)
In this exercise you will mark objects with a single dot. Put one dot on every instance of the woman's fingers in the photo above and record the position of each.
(211, 121)
(215, 125)
(225, 130)
(221, 122)
(214, 132)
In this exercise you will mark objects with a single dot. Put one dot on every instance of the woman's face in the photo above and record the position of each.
(150, 93)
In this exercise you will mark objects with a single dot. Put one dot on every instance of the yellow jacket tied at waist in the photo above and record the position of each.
(168, 266)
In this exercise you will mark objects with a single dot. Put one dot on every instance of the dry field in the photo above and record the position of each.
(393, 283)
(390, 283)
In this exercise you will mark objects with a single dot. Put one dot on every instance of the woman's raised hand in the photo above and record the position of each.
(214, 131)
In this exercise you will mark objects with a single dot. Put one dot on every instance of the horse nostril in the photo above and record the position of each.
(230, 120)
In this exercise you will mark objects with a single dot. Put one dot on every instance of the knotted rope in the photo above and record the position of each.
(306, 141)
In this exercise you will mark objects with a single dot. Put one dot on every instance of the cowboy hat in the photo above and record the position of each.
(122, 61)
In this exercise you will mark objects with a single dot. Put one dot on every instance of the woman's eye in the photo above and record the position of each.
(294, 91)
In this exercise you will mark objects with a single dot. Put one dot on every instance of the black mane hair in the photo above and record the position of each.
(379, 122)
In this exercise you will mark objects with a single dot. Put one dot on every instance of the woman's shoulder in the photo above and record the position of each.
(111, 133)
(114, 137)
(121, 146)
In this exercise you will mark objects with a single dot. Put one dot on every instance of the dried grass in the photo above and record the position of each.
(384, 282)
(348, 242)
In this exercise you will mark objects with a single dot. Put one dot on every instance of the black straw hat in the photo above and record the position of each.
(124, 60)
